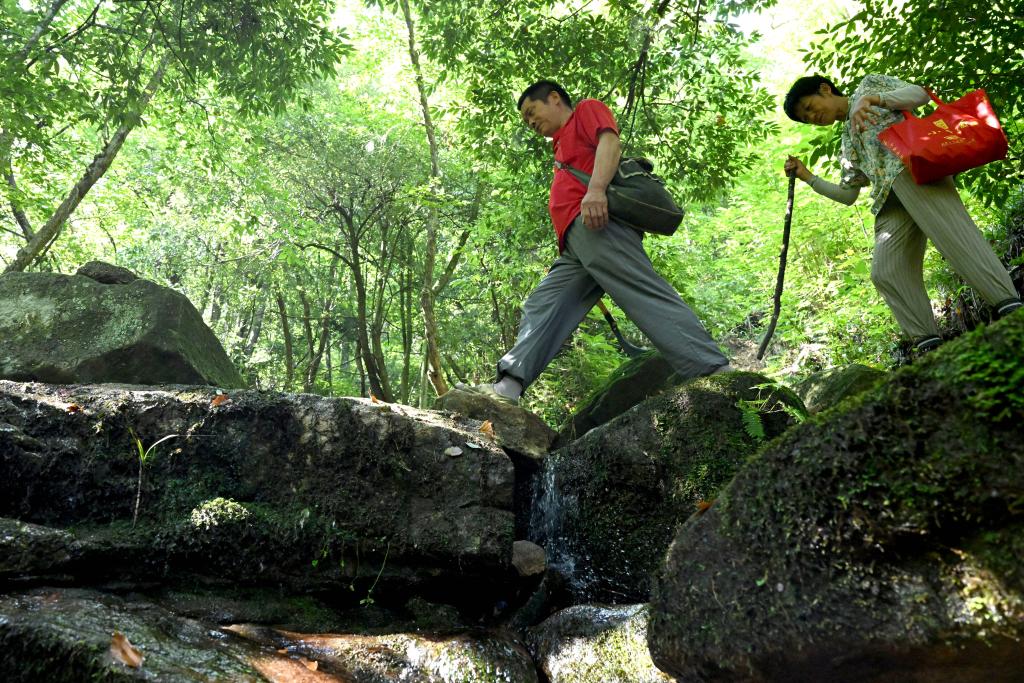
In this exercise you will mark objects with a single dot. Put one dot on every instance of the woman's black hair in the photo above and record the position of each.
(540, 91)
(808, 85)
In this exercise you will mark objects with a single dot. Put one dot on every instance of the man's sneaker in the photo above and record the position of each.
(923, 345)
(1007, 307)
(488, 391)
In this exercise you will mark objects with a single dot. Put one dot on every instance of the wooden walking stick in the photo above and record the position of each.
(782, 267)
(627, 348)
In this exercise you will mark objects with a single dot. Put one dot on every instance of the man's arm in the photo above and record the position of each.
(594, 207)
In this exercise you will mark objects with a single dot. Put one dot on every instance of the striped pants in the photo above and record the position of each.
(916, 213)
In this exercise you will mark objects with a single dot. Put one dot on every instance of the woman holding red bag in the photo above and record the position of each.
(906, 214)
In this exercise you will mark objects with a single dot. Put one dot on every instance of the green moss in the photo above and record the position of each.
(855, 522)
(219, 512)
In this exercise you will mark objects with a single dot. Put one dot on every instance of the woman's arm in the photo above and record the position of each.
(910, 97)
(844, 194)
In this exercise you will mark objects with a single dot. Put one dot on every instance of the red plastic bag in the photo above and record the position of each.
(955, 137)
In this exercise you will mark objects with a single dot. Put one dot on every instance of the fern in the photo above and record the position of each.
(751, 416)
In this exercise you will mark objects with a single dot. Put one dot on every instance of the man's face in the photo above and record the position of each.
(823, 108)
(545, 116)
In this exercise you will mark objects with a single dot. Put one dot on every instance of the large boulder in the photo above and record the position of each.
(610, 501)
(71, 328)
(252, 487)
(822, 390)
(880, 540)
(634, 381)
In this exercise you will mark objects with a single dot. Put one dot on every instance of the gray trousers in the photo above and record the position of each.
(609, 260)
(912, 215)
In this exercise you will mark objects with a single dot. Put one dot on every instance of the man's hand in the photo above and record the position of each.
(594, 209)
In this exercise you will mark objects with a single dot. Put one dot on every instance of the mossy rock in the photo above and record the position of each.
(591, 643)
(63, 635)
(477, 657)
(879, 540)
(828, 388)
(257, 488)
(633, 382)
(70, 328)
(611, 500)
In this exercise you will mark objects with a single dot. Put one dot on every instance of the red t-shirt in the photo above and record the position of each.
(575, 144)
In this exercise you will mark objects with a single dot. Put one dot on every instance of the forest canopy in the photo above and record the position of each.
(347, 193)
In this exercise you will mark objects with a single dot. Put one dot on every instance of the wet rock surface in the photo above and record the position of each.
(877, 541)
(611, 500)
(515, 429)
(64, 634)
(589, 643)
(296, 537)
(475, 656)
(73, 328)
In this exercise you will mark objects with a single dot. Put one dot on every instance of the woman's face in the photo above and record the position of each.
(823, 108)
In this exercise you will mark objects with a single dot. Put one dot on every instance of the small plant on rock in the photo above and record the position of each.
(143, 457)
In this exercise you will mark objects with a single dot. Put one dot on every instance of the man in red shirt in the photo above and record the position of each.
(596, 255)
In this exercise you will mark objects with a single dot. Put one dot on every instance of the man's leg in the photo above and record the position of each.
(615, 258)
(552, 311)
(897, 271)
(939, 212)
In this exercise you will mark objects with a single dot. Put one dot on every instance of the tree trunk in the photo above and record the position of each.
(286, 331)
(325, 330)
(435, 374)
(49, 232)
(405, 311)
(368, 361)
(307, 325)
(257, 326)
(6, 141)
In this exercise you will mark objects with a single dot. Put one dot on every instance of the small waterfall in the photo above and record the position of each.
(548, 528)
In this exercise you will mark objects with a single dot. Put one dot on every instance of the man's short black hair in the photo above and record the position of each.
(808, 85)
(540, 91)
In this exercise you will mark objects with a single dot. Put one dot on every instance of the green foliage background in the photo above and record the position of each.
(280, 177)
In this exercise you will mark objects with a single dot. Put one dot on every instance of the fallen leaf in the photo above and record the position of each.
(475, 446)
(703, 505)
(374, 399)
(487, 428)
(219, 400)
(310, 664)
(123, 651)
(454, 451)
(73, 408)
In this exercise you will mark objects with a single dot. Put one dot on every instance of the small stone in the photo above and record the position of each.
(528, 558)
(453, 452)
(107, 273)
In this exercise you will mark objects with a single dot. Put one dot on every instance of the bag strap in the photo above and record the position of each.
(579, 175)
